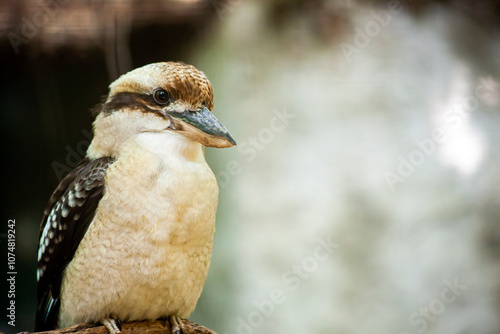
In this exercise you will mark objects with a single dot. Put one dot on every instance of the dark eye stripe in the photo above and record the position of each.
(141, 102)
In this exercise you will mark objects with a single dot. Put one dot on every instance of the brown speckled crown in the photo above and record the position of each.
(183, 81)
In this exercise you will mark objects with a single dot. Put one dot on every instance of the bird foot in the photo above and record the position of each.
(176, 324)
(114, 326)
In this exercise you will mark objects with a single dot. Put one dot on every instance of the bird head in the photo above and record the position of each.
(170, 97)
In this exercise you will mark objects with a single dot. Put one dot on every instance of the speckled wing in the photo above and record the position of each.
(66, 220)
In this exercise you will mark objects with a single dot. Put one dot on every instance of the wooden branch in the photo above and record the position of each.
(136, 327)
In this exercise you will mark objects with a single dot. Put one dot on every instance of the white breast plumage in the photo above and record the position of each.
(155, 227)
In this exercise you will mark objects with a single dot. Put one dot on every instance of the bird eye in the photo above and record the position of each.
(161, 96)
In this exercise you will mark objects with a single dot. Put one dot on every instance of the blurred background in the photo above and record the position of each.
(364, 193)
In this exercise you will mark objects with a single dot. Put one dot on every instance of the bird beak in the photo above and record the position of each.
(201, 125)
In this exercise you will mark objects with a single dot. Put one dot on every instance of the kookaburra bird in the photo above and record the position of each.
(127, 235)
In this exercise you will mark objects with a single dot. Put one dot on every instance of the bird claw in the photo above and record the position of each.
(114, 326)
(176, 324)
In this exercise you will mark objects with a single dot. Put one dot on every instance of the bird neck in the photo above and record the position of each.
(171, 145)
(117, 134)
